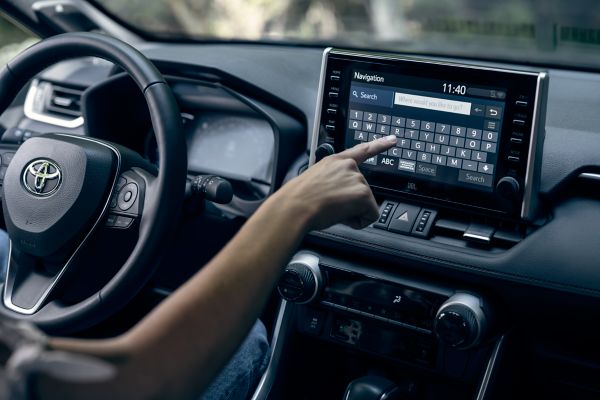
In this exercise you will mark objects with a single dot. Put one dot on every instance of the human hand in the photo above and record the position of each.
(335, 191)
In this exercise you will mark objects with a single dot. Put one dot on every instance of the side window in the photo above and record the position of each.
(13, 39)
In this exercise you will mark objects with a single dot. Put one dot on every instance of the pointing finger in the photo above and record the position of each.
(364, 151)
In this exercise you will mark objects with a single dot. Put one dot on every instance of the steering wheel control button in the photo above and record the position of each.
(122, 182)
(404, 218)
(110, 220)
(424, 222)
(127, 196)
(385, 213)
(123, 222)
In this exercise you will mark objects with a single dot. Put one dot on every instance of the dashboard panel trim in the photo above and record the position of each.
(317, 121)
(535, 147)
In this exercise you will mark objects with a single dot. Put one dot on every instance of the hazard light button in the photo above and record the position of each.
(403, 219)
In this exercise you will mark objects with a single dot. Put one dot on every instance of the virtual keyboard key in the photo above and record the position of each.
(383, 129)
(371, 161)
(424, 157)
(355, 125)
(411, 134)
(441, 160)
(399, 121)
(413, 123)
(490, 136)
(475, 178)
(442, 128)
(427, 126)
(409, 154)
(441, 139)
(448, 151)
(463, 153)
(432, 148)
(369, 126)
(383, 119)
(362, 136)
(426, 169)
(403, 143)
(398, 132)
(426, 136)
(395, 152)
(474, 133)
(457, 142)
(458, 131)
(485, 168)
(480, 156)
(355, 114)
(472, 144)
(416, 145)
(454, 162)
(369, 116)
(469, 165)
(488, 146)
(406, 165)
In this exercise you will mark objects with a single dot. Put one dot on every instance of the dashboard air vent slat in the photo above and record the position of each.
(54, 104)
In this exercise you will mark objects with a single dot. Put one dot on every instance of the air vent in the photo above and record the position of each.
(54, 104)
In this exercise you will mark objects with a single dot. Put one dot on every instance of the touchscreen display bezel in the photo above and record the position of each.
(516, 84)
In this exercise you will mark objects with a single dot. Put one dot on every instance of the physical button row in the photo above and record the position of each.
(459, 131)
(403, 122)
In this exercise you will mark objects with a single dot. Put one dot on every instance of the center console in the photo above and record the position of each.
(462, 180)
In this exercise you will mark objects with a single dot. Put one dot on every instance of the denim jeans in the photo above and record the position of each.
(238, 379)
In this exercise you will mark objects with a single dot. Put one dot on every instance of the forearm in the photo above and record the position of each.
(177, 350)
(174, 346)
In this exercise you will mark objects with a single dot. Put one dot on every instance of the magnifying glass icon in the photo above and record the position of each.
(355, 94)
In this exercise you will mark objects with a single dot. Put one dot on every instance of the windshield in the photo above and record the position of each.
(528, 31)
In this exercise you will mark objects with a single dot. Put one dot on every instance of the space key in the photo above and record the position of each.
(475, 178)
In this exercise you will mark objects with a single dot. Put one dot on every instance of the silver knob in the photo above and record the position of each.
(461, 322)
(302, 280)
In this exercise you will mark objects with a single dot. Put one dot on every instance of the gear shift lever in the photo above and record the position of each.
(372, 388)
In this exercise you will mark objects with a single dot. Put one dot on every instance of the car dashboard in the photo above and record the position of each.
(468, 301)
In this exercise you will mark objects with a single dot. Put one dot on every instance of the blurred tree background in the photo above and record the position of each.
(555, 29)
(12, 40)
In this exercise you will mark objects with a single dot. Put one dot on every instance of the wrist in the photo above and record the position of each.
(300, 213)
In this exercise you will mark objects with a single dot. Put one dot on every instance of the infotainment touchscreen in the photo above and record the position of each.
(468, 136)
(447, 132)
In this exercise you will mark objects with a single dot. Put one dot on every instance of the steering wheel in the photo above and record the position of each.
(78, 208)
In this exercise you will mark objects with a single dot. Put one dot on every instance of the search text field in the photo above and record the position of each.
(432, 103)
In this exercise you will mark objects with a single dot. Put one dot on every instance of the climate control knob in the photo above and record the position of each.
(302, 280)
(461, 322)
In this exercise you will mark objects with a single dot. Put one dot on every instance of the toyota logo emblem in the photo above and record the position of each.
(42, 178)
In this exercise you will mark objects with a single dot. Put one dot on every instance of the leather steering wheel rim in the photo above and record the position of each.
(162, 208)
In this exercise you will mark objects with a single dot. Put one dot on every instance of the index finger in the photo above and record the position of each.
(364, 151)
